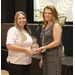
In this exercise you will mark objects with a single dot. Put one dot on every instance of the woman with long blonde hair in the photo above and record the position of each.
(19, 43)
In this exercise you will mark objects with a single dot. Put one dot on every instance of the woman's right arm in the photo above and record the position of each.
(41, 63)
(17, 48)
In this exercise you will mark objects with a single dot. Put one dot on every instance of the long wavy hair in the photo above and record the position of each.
(26, 27)
(54, 14)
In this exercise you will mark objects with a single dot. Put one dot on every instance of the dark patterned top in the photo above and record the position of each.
(52, 57)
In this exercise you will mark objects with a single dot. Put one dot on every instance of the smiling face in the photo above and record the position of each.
(21, 21)
(48, 15)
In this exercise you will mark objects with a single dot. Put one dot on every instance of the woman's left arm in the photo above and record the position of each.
(57, 34)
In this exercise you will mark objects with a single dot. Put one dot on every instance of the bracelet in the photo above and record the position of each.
(44, 49)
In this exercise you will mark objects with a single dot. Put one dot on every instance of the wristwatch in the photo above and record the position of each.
(44, 49)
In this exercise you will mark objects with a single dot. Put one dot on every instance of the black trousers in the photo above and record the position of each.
(18, 69)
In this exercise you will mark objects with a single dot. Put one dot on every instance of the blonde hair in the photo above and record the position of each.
(26, 27)
(54, 14)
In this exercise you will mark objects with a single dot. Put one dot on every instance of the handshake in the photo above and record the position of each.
(37, 50)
